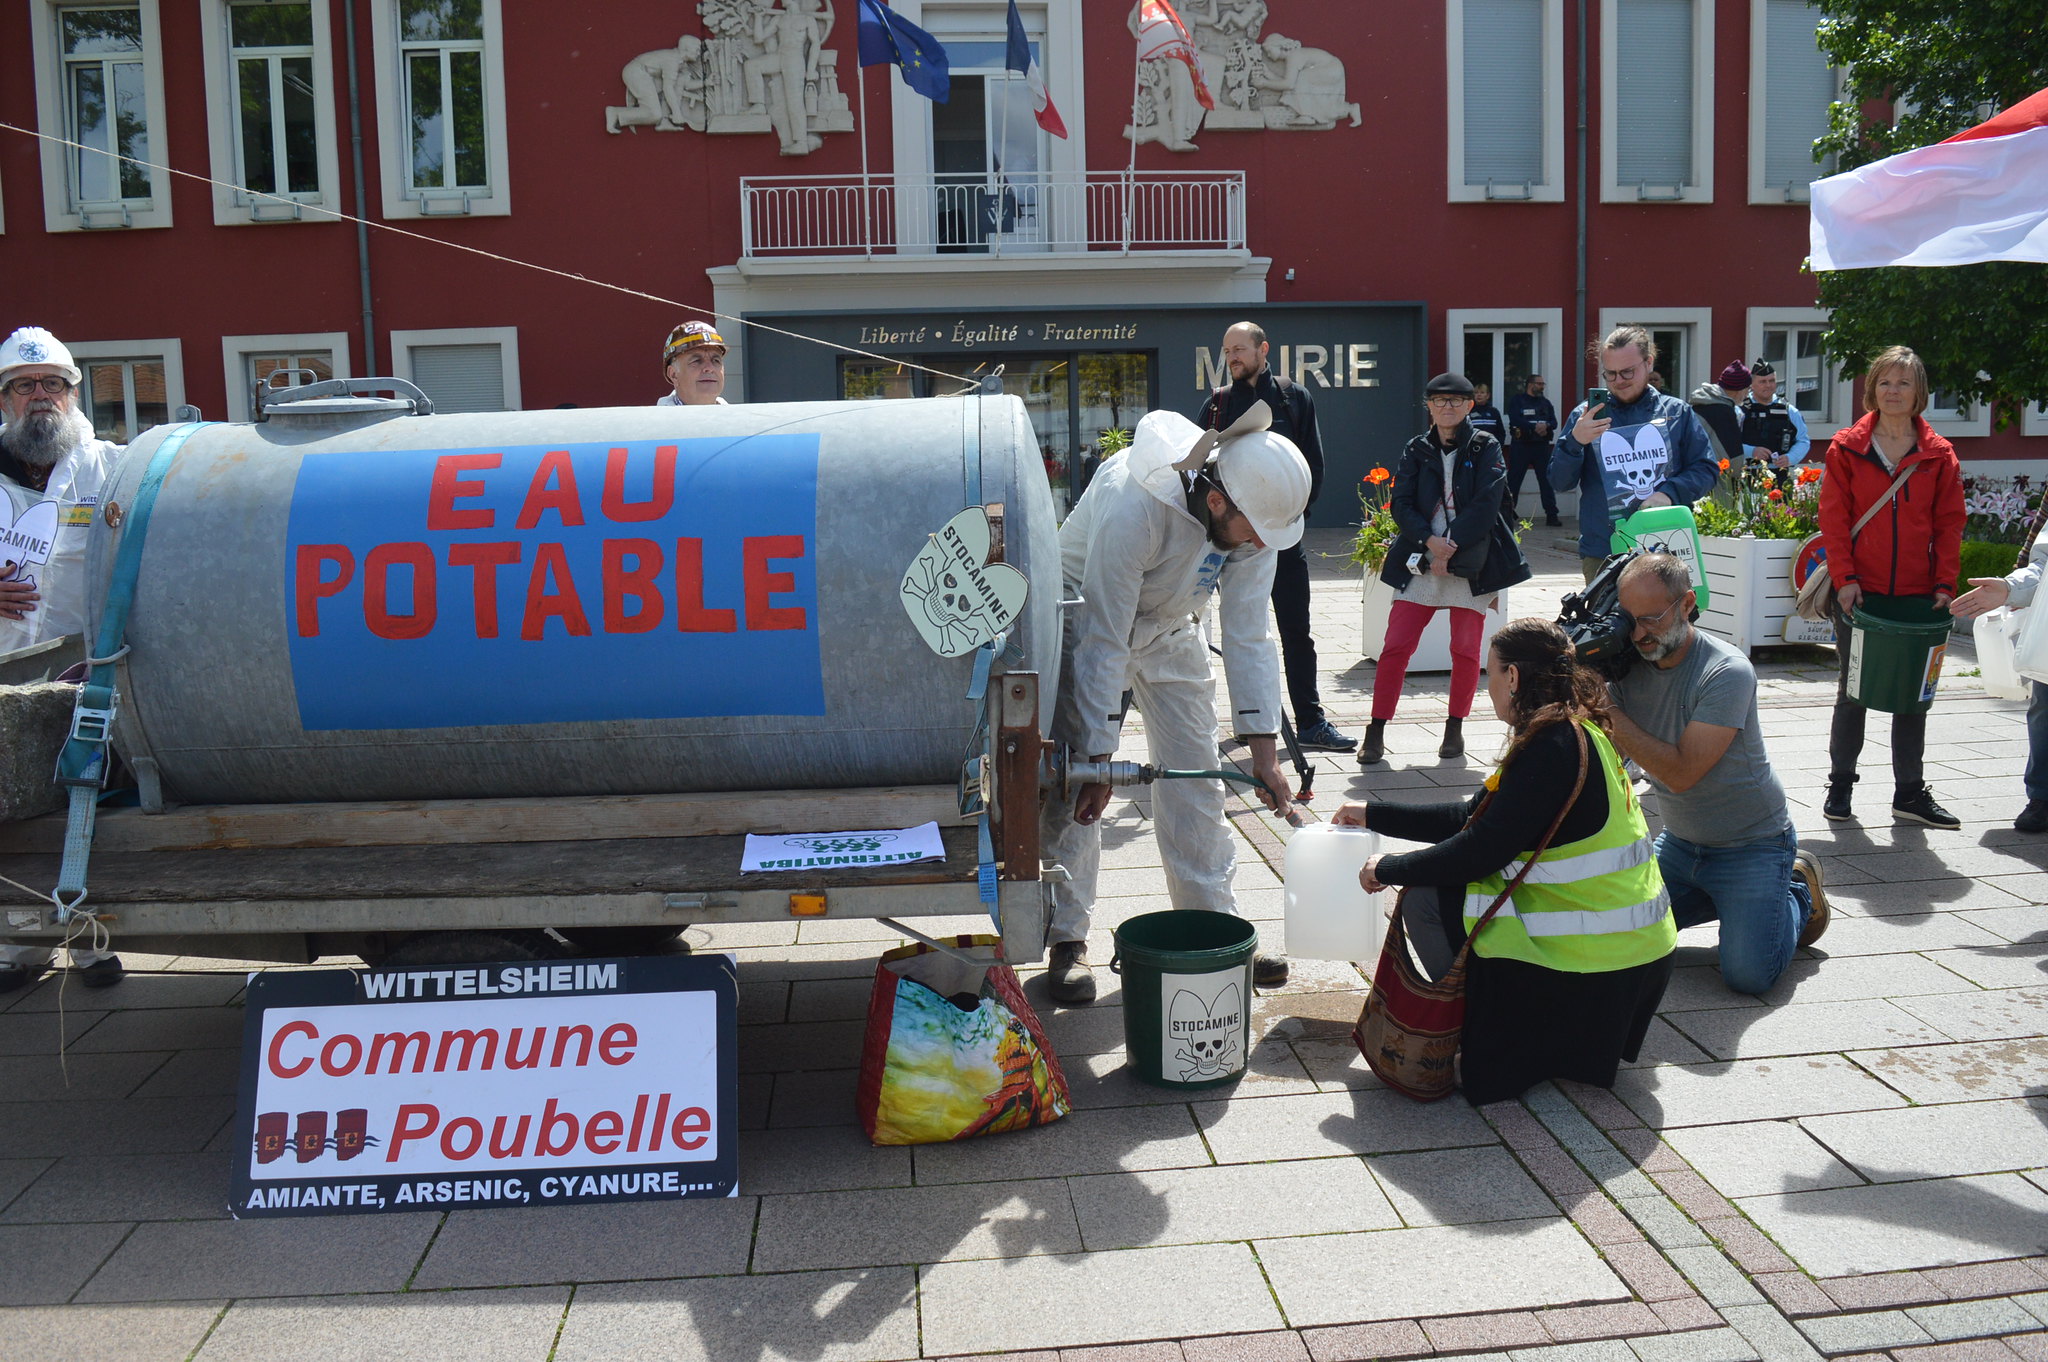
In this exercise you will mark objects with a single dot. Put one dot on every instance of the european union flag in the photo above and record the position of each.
(886, 37)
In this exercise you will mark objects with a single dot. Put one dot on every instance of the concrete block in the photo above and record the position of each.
(1972, 1319)
(1807, 1028)
(1115, 1139)
(77, 1077)
(1719, 1281)
(819, 1159)
(1666, 1225)
(1948, 1140)
(1702, 1345)
(1459, 1186)
(1580, 1323)
(47, 1263)
(207, 1260)
(1008, 1220)
(1757, 1158)
(1360, 1342)
(1602, 1350)
(866, 1316)
(36, 720)
(156, 1125)
(1464, 1333)
(1907, 1224)
(1687, 1312)
(1773, 1337)
(1985, 1279)
(83, 1188)
(449, 1326)
(117, 1333)
(1864, 1333)
(1282, 1345)
(1646, 1272)
(1351, 1122)
(1751, 1090)
(1092, 1298)
(622, 1240)
(1875, 1291)
(1416, 1274)
(1230, 1202)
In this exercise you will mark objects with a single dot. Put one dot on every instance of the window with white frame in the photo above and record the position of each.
(464, 369)
(1657, 101)
(1790, 340)
(99, 79)
(1680, 334)
(2035, 420)
(1953, 415)
(250, 360)
(1791, 86)
(270, 87)
(1505, 69)
(441, 110)
(125, 387)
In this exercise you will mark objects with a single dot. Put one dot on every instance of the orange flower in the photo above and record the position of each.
(1807, 475)
(1378, 476)
(1777, 495)
(1724, 465)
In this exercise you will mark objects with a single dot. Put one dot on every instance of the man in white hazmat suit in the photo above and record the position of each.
(1183, 514)
(51, 468)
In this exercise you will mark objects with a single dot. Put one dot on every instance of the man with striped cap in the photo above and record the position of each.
(693, 362)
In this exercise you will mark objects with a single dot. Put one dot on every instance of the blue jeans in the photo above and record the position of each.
(1750, 888)
(2036, 779)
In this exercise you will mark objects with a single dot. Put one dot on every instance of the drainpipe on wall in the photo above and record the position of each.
(1579, 339)
(355, 139)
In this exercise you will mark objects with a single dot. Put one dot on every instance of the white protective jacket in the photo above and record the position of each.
(1144, 568)
(56, 563)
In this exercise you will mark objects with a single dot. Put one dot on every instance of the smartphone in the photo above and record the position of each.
(1597, 397)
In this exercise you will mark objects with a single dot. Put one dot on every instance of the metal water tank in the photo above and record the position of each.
(347, 600)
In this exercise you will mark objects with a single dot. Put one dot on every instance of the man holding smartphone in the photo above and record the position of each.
(1628, 447)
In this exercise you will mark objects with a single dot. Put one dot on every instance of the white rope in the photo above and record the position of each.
(340, 216)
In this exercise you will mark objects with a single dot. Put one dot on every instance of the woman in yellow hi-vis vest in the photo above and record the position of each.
(1564, 981)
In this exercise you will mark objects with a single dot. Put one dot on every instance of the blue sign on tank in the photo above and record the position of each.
(541, 584)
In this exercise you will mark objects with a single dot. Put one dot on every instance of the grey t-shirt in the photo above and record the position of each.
(1739, 799)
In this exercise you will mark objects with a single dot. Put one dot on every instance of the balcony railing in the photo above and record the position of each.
(931, 215)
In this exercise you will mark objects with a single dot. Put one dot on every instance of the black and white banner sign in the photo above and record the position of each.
(537, 1084)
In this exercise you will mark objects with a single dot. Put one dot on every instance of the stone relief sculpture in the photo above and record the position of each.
(1258, 80)
(765, 68)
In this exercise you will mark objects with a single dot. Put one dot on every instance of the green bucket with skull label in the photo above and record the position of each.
(1187, 978)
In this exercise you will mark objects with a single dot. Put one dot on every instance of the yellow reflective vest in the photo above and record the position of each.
(1588, 906)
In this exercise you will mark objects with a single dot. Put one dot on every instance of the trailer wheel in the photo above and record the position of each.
(472, 948)
(621, 940)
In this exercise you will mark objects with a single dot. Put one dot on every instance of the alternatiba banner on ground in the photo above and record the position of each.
(488, 1085)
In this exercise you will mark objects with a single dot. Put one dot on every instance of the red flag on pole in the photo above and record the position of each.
(1162, 34)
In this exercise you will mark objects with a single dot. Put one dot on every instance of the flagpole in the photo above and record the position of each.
(1000, 159)
(1131, 171)
(867, 231)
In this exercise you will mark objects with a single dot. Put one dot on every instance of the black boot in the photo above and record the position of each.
(1373, 745)
(1836, 806)
(1453, 744)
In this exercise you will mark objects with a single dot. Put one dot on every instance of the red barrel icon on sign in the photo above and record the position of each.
(270, 1130)
(311, 1137)
(350, 1125)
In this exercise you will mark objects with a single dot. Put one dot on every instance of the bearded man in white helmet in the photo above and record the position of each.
(1182, 515)
(51, 468)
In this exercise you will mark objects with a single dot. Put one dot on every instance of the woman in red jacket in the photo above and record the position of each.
(1911, 547)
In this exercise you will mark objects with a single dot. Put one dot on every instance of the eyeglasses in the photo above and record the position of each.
(1621, 375)
(49, 383)
(1655, 623)
(1447, 403)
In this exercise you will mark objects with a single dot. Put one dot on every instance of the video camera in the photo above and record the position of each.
(1602, 634)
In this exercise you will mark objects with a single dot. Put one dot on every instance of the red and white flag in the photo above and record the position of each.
(1019, 57)
(1162, 34)
(1981, 195)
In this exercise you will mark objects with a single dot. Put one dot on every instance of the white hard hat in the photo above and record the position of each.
(33, 345)
(1269, 480)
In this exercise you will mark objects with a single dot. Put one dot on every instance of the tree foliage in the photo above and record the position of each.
(1946, 67)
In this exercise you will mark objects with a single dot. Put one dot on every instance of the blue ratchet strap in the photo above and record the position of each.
(82, 764)
(984, 658)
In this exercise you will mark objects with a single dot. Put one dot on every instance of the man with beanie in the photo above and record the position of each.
(1717, 404)
(1294, 417)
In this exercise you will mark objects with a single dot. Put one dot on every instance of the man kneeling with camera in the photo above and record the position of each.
(1689, 719)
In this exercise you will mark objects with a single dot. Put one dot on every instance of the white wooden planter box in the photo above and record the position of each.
(1433, 653)
(1751, 582)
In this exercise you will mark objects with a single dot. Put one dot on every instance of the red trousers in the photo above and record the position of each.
(1405, 622)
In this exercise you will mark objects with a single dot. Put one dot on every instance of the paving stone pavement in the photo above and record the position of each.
(1853, 1166)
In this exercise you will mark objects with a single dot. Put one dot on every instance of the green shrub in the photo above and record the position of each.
(1984, 560)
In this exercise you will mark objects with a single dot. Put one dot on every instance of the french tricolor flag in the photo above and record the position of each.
(1981, 195)
(1018, 58)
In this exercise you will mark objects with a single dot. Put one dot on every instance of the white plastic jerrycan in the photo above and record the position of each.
(1328, 916)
